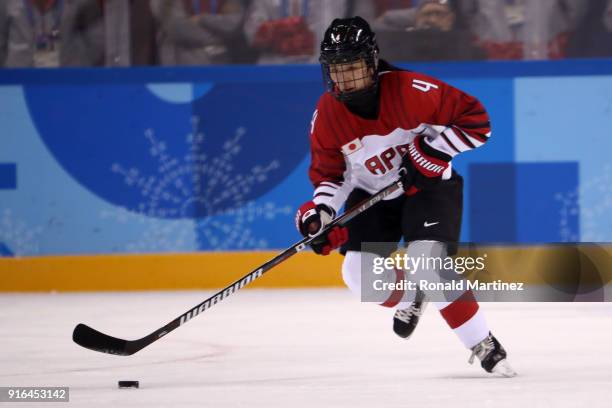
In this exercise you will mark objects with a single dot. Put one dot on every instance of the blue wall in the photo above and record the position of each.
(184, 159)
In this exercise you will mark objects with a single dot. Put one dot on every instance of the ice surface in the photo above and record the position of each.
(300, 348)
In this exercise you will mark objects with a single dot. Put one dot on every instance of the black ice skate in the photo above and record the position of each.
(406, 320)
(492, 357)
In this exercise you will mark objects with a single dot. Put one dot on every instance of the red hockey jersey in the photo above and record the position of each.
(348, 151)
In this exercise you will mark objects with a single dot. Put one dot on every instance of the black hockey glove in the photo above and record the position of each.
(312, 219)
(422, 166)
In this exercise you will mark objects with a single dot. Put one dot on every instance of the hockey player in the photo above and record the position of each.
(377, 124)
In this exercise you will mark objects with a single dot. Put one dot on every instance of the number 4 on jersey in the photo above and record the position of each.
(423, 86)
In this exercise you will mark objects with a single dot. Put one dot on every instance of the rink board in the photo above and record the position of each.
(164, 271)
(70, 189)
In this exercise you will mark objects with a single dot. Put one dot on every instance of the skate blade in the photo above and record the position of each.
(503, 368)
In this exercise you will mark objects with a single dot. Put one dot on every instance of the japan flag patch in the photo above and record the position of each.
(351, 147)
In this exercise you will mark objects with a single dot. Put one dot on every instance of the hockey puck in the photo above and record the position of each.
(128, 384)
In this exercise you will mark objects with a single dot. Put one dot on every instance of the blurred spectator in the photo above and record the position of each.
(199, 32)
(130, 33)
(523, 29)
(290, 31)
(435, 15)
(436, 34)
(51, 33)
(395, 14)
(593, 38)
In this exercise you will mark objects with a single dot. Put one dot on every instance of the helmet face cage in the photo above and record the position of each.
(350, 76)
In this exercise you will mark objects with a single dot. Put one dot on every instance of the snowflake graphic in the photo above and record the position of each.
(572, 206)
(235, 233)
(17, 237)
(197, 185)
(157, 236)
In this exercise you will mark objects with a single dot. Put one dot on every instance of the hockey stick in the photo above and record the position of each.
(92, 339)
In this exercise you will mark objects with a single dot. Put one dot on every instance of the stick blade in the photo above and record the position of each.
(92, 339)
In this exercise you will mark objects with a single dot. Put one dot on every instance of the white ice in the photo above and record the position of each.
(301, 348)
